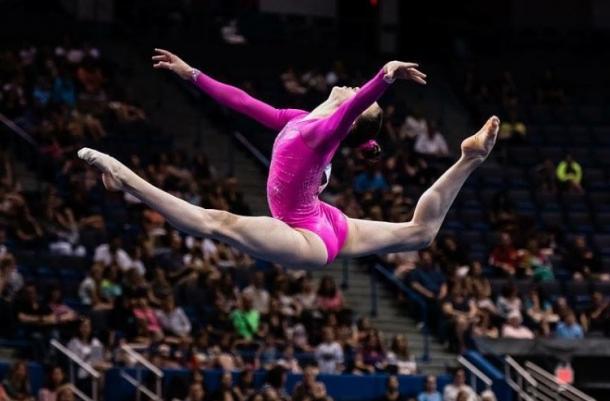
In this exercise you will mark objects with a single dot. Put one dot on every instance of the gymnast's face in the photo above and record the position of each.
(340, 94)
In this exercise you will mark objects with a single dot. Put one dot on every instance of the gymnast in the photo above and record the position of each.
(304, 231)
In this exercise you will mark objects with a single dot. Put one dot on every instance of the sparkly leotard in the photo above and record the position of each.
(301, 152)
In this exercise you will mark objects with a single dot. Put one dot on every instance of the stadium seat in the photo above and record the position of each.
(579, 293)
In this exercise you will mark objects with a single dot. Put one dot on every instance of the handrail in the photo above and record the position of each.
(17, 130)
(476, 372)
(515, 365)
(83, 365)
(79, 393)
(423, 307)
(252, 149)
(137, 381)
(518, 386)
(568, 390)
(76, 359)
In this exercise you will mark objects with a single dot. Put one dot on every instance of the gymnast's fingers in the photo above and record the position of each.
(161, 58)
(163, 64)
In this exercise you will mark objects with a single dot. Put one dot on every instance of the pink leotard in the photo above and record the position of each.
(302, 150)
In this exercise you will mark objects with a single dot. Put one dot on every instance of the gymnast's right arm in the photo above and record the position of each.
(226, 95)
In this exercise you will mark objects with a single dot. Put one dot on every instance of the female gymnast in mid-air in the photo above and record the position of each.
(304, 231)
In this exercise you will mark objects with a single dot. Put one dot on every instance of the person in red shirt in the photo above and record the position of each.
(505, 256)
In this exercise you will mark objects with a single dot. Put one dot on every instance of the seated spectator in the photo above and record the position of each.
(580, 259)
(431, 392)
(427, 279)
(226, 391)
(488, 395)
(17, 382)
(509, 300)
(514, 329)
(56, 382)
(545, 176)
(196, 393)
(373, 353)
(505, 256)
(596, 320)
(146, 317)
(319, 392)
(399, 360)
(460, 310)
(90, 289)
(245, 385)
(392, 392)
(329, 354)
(479, 287)
(88, 348)
(245, 318)
(330, 298)
(512, 130)
(483, 325)
(305, 388)
(535, 262)
(306, 297)
(371, 179)
(31, 312)
(458, 385)
(568, 328)
(288, 361)
(66, 394)
(257, 292)
(415, 125)
(172, 318)
(109, 253)
(432, 143)
(569, 175)
(62, 312)
(11, 281)
(539, 311)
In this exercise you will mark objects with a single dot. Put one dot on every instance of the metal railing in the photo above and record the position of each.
(378, 270)
(87, 368)
(519, 380)
(143, 364)
(475, 374)
(550, 389)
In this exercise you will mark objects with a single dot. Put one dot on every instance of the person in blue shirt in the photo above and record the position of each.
(569, 329)
(431, 393)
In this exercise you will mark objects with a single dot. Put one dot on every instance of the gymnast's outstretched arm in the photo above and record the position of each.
(227, 95)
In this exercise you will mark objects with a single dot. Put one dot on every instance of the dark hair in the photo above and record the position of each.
(365, 128)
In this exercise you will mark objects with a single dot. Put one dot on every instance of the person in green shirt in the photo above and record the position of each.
(569, 174)
(245, 319)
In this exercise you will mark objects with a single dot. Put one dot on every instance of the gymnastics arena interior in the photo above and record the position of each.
(102, 299)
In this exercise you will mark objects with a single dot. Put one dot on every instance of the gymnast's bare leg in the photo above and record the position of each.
(265, 238)
(367, 237)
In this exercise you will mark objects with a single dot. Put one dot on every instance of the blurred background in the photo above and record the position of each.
(101, 299)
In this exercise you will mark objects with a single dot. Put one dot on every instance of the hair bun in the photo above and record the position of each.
(370, 150)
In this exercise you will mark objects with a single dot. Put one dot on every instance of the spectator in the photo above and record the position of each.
(245, 318)
(488, 395)
(514, 329)
(546, 178)
(288, 362)
(56, 382)
(110, 253)
(399, 359)
(305, 388)
(11, 281)
(432, 143)
(90, 289)
(505, 256)
(392, 392)
(257, 292)
(539, 311)
(512, 130)
(460, 310)
(65, 394)
(509, 300)
(17, 383)
(427, 279)
(330, 298)
(196, 392)
(371, 179)
(276, 381)
(329, 354)
(245, 385)
(483, 325)
(62, 312)
(596, 319)
(431, 392)
(580, 259)
(146, 317)
(33, 313)
(458, 385)
(88, 348)
(172, 318)
(306, 297)
(568, 328)
(569, 175)
(415, 125)
(226, 390)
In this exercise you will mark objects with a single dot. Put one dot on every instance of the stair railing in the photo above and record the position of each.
(143, 364)
(475, 374)
(519, 380)
(551, 389)
(87, 368)
(380, 271)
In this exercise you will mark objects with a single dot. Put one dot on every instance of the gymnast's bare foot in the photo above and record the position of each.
(479, 145)
(110, 167)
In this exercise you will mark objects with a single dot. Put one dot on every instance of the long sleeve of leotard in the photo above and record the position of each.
(330, 131)
(240, 101)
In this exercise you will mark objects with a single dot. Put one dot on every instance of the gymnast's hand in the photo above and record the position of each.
(401, 70)
(169, 61)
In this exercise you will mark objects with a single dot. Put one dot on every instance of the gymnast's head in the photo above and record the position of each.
(365, 128)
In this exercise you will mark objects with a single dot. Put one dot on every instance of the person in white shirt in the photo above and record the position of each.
(459, 384)
(432, 143)
(87, 348)
(414, 126)
(514, 329)
(257, 292)
(112, 252)
(172, 318)
(329, 354)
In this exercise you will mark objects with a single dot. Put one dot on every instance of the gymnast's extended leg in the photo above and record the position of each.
(262, 237)
(367, 237)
